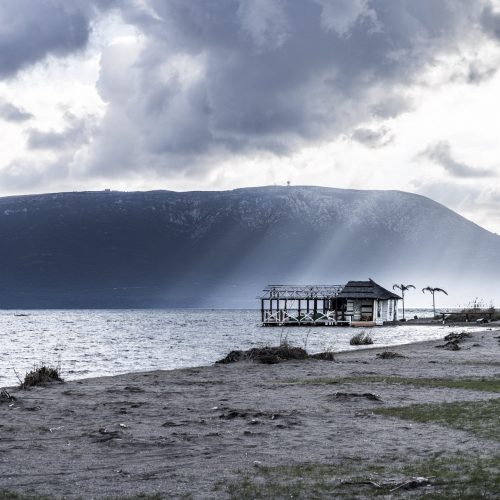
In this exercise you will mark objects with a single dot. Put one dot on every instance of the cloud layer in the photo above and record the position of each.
(204, 82)
(76, 133)
(13, 113)
(440, 153)
(238, 77)
(33, 30)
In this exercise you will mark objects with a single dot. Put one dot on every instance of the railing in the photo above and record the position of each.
(301, 291)
(284, 317)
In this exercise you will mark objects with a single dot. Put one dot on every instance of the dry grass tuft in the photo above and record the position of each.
(271, 355)
(361, 338)
(41, 375)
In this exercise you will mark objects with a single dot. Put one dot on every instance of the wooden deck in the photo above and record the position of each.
(312, 305)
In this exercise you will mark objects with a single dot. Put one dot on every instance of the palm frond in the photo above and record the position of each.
(433, 290)
(402, 287)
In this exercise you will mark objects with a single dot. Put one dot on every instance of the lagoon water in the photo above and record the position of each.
(88, 343)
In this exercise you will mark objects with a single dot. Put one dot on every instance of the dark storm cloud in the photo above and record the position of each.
(373, 138)
(490, 20)
(31, 30)
(236, 76)
(440, 153)
(74, 135)
(12, 113)
(217, 78)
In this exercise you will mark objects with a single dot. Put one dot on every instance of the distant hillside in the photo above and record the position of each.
(164, 249)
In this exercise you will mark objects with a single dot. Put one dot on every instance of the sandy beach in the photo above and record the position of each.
(306, 429)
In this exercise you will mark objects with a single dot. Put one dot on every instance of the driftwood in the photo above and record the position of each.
(346, 396)
(450, 346)
(389, 355)
(325, 356)
(6, 397)
(105, 435)
(410, 484)
(415, 482)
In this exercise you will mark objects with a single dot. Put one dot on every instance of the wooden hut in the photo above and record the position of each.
(357, 303)
(368, 302)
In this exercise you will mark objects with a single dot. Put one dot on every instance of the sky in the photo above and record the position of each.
(208, 95)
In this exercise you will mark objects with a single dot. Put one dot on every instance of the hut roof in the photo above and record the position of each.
(366, 290)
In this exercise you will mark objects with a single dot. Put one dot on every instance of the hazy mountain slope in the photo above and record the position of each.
(161, 248)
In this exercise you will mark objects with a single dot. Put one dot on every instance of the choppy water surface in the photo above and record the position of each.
(89, 343)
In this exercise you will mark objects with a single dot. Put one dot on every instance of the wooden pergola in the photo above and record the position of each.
(305, 305)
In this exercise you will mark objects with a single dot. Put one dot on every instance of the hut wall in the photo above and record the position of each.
(384, 310)
(378, 311)
(391, 310)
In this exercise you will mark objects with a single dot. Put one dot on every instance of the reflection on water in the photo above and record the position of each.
(90, 343)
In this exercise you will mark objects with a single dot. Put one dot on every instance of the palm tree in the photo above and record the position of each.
(432, 290)
(403, 289)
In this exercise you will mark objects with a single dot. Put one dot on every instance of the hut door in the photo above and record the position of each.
(367, 311)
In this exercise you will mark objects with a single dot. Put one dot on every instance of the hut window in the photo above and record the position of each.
(379, 308)
(390, 308)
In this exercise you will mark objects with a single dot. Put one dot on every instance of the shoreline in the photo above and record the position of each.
(210, 432)
(74, 344)
(354, 349)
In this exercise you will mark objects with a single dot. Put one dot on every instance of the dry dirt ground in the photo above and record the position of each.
(303, 429)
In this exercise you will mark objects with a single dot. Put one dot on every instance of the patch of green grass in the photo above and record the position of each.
(10, 495)
(144, 496)
(308, 480)
(478, 417)
(248, 488)
(480, 363)
(315, 381)
(466, 477)
(149, 496)
(473, 384)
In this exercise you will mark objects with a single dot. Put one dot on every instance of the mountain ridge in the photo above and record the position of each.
(201, 248)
